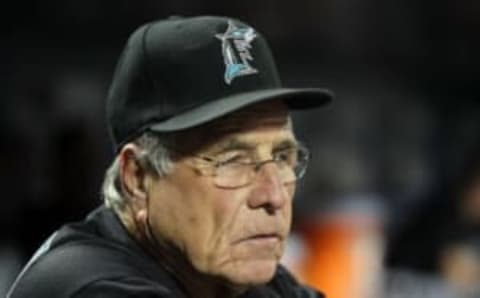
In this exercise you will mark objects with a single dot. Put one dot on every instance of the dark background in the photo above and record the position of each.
(402, 129)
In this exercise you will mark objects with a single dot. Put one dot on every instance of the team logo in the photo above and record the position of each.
(236, 44)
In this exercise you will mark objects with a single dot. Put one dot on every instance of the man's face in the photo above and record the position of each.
(237, 234)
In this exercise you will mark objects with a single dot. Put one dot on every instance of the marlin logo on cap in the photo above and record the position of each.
(236, 44)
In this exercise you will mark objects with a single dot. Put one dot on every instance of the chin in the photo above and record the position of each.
(253, 273)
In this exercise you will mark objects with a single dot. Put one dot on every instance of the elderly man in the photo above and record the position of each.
(198, 201)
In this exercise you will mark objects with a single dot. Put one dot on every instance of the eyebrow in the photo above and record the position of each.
(235, 144)
(286, 144)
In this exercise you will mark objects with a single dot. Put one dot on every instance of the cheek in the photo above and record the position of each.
(199, 219)
(247, 262)
(290, 190)
(164, 215)
(227, 223)
(181, 216)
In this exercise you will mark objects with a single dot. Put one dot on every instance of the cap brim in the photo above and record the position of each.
(296, 99)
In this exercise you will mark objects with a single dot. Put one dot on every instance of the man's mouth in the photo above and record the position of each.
(264, 238)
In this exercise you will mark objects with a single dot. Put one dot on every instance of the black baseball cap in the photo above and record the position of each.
(179, 73)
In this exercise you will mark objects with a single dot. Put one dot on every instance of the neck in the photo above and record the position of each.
(170, 258)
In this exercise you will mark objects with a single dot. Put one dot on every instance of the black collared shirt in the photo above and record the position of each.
(97, 258)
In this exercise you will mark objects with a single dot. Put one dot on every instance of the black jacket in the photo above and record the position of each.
(97, 258)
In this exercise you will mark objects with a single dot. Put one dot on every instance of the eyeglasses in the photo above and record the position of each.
(239, 168)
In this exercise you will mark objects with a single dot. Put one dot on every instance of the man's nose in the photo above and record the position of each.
(269, 190)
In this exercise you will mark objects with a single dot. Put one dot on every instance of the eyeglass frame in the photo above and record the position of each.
(256, 165)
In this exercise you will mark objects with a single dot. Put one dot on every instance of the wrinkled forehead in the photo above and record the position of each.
(256, 116)
(262, 116)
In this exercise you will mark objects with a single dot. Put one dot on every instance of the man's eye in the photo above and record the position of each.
(287, 156)
(233, 159)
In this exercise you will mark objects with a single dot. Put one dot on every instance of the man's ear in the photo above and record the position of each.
(133, 175)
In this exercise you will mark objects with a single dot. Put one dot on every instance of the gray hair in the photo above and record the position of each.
(154, 155)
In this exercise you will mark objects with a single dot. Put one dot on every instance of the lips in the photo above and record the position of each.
(265, 236)
(261, 237)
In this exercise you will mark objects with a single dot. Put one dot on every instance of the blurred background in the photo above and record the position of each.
(391, 204)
